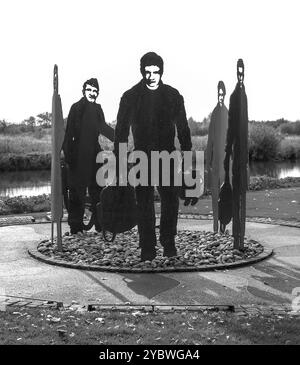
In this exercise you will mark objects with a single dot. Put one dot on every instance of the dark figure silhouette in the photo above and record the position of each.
(81, 146)
(153, 110)
(237, 144)
(215, 152)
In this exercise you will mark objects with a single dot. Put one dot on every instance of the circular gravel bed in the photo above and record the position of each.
(197, 251)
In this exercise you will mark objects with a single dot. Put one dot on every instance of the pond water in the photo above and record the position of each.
(27, 183)
(31, 183)
(279, 170)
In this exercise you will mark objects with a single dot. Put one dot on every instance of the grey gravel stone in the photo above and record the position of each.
(194, 249)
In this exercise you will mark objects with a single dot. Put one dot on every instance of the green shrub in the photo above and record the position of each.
(199, 129)
(290, 148)
(4, 209)
(266, 182)
(291, 128)
(30, 161)
(21, 204)
(264, 142)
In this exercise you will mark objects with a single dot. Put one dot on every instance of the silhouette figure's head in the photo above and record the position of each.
(221, 92)
(240, 71)
(152, 67)
(90, 90)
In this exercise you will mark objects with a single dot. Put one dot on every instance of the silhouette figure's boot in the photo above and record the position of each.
(222, 227)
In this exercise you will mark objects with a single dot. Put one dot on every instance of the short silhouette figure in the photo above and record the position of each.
(154, 111)
(84, 125)
(237, 146)
(215, 152)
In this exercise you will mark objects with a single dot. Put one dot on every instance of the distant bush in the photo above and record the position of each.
(290, 148)
(266, 182)
(199, 128)
(23, 204)
(271, 123)
(264, 142)
(14, 129)
(33, 161)
(292, 128)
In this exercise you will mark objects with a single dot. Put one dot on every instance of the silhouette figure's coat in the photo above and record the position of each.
(237, 144)
(57, 136)
(154, 116)
(215, 153)
(81, 146)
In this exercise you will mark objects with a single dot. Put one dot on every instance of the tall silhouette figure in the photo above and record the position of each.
(84, 125)
(215, 152)
(57, 136)
(237, 144)
(154, 111)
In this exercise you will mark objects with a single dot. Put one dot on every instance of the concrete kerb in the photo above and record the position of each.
(238, 310)
(262, 256)
(27, 219)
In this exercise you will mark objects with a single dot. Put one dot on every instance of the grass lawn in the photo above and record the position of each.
(33, 326)
(277, 204)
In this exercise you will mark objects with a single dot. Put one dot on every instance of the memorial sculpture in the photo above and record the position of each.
(215, 153)
(154, 111)
(237, 147)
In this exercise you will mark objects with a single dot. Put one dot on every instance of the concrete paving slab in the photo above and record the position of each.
(269, 282)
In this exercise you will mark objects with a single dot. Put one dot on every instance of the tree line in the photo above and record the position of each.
(43, 121)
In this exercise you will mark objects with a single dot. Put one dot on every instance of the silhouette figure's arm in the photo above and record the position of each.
(183, 130)
(230, 133)
(123, 124)
(106, 130)
(69, 135)
(210, 141)
(248, 169)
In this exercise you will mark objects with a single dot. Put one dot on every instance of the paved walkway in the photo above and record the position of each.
(269, 282)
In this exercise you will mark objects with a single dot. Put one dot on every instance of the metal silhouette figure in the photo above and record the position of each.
(57, 137)
(153, 110)
(215, 152)
(81, 145)
(237, 147)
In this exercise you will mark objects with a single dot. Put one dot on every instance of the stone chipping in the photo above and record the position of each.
(194, 249)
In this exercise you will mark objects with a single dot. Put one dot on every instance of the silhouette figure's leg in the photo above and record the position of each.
(243, 209)
(214, 200)
(243, 219)
(76, 208)
(169, 214)
(94, 191)
(236, 210)
(146, 221)
(221, 181)
(222, 227)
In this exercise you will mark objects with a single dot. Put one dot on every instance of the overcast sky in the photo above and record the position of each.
(200, 42)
